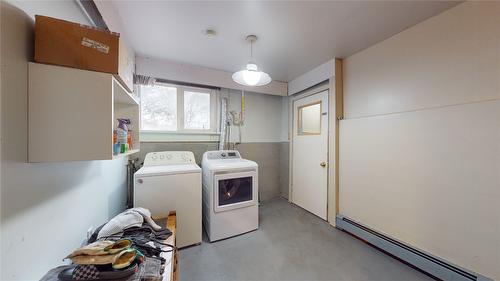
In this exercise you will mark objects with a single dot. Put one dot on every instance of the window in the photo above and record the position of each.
(196, 110)
(158, 108)
(310, 119)
(177, 109)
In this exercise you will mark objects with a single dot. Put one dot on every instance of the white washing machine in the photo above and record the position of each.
(171, 181)
(230, 194)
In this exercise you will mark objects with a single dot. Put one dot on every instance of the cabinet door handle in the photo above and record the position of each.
(322, 164)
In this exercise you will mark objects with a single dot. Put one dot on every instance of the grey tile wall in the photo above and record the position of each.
(284, 168)
(272, 158)
(267, 155)
(198, 148)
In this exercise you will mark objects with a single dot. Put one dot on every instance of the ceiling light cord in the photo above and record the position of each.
(251, 50)
(251, 75)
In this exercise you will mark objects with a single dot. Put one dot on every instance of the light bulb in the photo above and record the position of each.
(251, 77)
(252, 66)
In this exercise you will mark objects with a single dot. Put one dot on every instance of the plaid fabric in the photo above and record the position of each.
(86, 272)
(149, 270)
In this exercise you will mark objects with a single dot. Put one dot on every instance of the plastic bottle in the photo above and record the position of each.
(129, 139)
(116, 146)
(121, 132)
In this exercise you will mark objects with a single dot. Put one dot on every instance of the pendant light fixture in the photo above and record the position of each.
(251, 76)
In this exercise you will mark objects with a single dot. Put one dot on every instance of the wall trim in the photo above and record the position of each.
(420, 259)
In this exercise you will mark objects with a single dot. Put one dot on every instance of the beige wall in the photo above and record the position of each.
(263, 115)
(420, 143)
(46, 208)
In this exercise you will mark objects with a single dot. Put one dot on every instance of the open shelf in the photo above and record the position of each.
(73, 112)
(121, 95)
(126, 106)
(130, 152)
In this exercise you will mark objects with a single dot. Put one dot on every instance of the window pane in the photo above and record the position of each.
(310, 119)
(158, 108)
(196, 110)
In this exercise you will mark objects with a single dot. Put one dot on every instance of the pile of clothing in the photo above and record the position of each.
(128, 247)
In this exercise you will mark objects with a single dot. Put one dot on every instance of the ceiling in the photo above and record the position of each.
(294, 36)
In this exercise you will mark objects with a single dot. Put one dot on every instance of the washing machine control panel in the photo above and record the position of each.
(163, 158)
(223, 154)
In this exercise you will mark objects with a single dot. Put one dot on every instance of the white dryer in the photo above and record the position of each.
(230, 194)
(171, 181)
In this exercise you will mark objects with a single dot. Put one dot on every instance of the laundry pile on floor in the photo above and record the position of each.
(128, 247)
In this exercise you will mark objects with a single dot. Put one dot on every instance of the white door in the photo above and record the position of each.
(310, 153)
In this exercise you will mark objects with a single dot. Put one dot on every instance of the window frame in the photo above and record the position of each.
(181, 130)
(300, 131)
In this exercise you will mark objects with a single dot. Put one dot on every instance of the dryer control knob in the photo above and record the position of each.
(140, 181)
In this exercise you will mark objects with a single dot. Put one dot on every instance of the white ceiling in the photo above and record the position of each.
(294, 37)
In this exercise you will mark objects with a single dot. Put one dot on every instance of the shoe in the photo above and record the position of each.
(93, 272)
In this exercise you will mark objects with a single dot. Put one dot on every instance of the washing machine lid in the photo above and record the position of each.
(150, 171)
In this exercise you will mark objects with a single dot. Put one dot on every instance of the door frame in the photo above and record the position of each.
(328, 85)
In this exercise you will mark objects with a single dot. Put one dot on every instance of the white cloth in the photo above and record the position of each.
(134, 217)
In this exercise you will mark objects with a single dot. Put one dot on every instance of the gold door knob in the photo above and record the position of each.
(323, 164)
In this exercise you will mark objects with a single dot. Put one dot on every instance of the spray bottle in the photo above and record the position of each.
(122, 132)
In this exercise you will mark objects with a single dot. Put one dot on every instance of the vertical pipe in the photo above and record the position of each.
(223, 123)
(242, 117)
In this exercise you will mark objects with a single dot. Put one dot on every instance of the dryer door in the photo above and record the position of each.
(235, 190)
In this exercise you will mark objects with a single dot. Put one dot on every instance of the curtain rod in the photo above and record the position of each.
(166, 81)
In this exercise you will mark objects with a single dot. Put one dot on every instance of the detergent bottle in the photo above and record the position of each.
(122, 132)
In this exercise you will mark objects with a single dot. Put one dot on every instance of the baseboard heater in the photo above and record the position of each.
(426, 262)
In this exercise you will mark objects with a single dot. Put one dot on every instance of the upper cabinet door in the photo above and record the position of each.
(126, 63)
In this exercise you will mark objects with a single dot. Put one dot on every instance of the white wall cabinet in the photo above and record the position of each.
(73, 112)
(126, 64)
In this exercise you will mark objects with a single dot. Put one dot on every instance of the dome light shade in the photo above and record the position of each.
(251, 76)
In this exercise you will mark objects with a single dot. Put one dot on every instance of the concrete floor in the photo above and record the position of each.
(291, 244)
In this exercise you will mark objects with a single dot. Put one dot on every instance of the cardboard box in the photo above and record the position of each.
(65, 43)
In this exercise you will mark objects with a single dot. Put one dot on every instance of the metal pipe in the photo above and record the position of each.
(223, 123)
